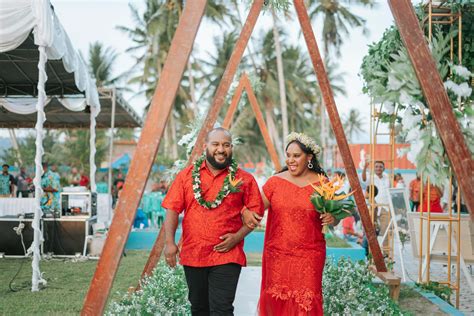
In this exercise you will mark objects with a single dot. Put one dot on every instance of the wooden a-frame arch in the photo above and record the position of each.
(165, 94)
(244, 84)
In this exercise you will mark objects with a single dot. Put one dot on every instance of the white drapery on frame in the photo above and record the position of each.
(17, 19)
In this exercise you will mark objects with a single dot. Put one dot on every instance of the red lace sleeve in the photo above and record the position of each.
(268, 188)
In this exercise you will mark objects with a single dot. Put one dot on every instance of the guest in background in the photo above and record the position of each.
(415, 193)
(398, 181)
(84, 182)
(434, 198)
(22, 184)
(74, 177)
(51, 191)
(7, 182)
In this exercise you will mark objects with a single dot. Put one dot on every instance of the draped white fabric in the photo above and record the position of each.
(19, 17)
(27, 105)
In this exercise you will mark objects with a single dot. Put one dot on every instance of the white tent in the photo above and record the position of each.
(19, 19)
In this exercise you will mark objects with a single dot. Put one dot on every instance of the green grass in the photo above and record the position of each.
(335, 242)
(68, 282)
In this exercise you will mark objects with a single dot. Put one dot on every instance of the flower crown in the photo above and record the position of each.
(305, 140)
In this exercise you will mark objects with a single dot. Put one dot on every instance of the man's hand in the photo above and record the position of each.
(250, 218)
(228, 242)
(171, 251)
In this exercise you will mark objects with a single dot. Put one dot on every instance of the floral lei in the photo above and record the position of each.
(230, 184)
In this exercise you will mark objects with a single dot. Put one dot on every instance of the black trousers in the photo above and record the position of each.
(212, 289)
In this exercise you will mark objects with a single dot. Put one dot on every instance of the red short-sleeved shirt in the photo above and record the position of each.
(202, 227)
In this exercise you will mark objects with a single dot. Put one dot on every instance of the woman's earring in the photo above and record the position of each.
(310, 165)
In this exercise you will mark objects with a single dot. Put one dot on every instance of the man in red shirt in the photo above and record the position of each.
(212, 192)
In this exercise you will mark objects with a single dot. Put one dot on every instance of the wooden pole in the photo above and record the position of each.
(336, 124)
(144, 156)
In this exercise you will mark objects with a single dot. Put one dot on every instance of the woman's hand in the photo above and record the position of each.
(250, 218)
(328, 219)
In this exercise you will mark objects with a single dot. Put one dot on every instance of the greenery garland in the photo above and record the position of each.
(230, 185)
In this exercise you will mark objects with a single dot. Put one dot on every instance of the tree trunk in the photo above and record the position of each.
(192, 88)
(272, 129)
(174, 141)
(281, 77)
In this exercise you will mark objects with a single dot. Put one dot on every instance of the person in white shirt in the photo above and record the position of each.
(382, 182)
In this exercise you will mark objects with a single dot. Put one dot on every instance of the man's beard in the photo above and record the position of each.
(210, 158)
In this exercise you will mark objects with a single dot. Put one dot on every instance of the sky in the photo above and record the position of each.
(86, 21)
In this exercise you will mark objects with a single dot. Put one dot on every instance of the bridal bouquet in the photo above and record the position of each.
(325, 199)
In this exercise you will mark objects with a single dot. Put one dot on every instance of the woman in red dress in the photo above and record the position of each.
(295, 249)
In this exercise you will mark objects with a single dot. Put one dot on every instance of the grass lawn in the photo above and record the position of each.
(68, 282)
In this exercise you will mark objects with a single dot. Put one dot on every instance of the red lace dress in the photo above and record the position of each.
(294, 252)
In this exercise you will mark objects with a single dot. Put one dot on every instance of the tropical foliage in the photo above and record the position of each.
(391, 80)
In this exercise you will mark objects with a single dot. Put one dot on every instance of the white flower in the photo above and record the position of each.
(409, 120)
(461, 90)
(226, 187)
(389, 107)
(415, 149)
(197, 195)
(413, 135)
(213, 205)
(393, 83)
(462, 71)
(197, 180)
(405, 98)
(196, 186)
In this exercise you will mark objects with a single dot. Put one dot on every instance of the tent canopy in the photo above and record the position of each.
(58, 116)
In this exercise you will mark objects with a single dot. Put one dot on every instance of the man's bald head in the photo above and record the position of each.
(219, 130)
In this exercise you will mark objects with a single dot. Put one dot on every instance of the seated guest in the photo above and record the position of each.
(434, 199)
(6, 182)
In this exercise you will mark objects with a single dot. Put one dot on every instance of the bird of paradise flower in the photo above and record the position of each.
(326, 200)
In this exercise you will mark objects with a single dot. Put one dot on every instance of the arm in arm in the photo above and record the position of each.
(231, 239)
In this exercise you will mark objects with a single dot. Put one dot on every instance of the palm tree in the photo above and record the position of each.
(101, 61)
(338, 20)
(152, 35)
(353, 123)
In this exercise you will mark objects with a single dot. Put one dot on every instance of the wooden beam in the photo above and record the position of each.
(226, 80)
(245, 84)
(144, 156)
(261, 122)
(233, 104)
(438, 101)
(336, 124)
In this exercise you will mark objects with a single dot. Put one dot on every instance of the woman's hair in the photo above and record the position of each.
(314, 161)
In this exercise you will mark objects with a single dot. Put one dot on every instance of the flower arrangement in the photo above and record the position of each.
(348, 289)
(163, 293)
(326, 200)
(305, 140)
(390, 80)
